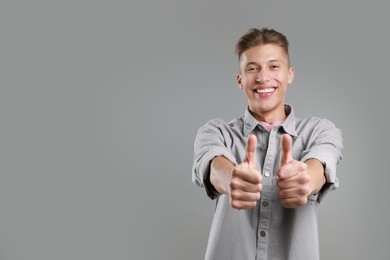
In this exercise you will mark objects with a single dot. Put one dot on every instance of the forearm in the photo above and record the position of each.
(317, 177)
(221, 174)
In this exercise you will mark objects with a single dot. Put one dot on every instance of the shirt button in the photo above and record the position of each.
(262, 233)
(267, 174)
(265, 203)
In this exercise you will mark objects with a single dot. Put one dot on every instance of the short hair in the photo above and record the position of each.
(255, 37)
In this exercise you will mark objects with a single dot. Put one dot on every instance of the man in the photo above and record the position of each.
(267, 170)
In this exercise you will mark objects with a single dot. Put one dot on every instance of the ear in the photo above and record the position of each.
(290, 75)
(239, 81)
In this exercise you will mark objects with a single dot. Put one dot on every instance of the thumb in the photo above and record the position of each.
(251, 151)
(286, 153)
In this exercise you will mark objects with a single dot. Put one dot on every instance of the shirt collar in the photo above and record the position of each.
(288, 125)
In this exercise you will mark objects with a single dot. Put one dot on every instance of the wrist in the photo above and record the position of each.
(316, 172)
(220, 174)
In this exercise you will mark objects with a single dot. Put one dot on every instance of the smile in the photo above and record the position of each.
(265, 91)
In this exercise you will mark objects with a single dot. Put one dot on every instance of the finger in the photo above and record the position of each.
(286, 153)
(251, 151)
(245, 196)
(245, 175)
(286, 184)
(294, 192)
(245, 186)
(239, 204)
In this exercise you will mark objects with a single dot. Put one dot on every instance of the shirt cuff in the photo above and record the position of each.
(201, 170)
(330, 165)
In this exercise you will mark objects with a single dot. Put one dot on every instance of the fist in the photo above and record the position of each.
(245, 183)
(294, 179)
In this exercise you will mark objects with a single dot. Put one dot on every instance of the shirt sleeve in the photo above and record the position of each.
(325, 145)
(210, 142)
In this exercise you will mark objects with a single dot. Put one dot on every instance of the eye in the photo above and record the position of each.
(274, 67)
(252, 69)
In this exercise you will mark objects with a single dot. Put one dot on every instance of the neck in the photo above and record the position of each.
(269, 117)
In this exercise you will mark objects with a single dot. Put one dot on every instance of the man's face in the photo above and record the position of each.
(264, 77)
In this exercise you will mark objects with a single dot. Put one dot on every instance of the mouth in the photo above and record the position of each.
(265, 92)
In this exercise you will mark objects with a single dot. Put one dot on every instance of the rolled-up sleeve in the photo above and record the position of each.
(210, 142)
(325, 145)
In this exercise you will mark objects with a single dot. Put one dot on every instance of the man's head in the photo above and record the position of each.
(255, 37)
(265, 72)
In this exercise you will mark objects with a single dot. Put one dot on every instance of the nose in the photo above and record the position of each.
(262, 76)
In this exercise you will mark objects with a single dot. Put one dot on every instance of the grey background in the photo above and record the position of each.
(100, 102)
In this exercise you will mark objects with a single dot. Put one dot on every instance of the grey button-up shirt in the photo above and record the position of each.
(267, 231)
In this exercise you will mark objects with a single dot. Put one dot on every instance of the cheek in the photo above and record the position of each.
(283, 78)
(250, 79)
(245, 82)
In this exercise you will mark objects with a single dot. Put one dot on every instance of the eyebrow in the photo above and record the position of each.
(251, 63)
(270, 61)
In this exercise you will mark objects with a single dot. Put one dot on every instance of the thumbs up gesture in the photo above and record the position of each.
(245, 183)
(294, 179)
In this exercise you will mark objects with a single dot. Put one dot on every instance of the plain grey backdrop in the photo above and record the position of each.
(100, 102)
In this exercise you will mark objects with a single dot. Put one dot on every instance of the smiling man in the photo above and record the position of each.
(267, 170)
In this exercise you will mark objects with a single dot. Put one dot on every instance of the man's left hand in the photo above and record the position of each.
(294, 179)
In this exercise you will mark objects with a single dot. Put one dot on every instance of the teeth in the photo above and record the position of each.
(266, 90)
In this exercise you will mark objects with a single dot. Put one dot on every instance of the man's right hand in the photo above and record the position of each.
(245, 184)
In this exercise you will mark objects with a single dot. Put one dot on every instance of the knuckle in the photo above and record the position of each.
(302, 166)
(235, 172)
(235, 194)
(302, 201)
(304, 178)
(233, 184)
(303, 190)
(280, 173)
(256, 188)
(249, 204)
(258, 178)
(237, 204)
